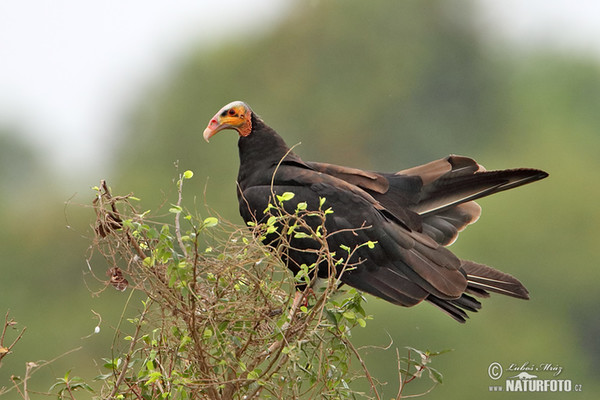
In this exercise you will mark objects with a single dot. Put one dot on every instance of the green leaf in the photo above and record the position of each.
(154, 376)
(148, 261)
(83, 385)
(112, 364)
(165, 230)
(175, 209)
(188, 174)
(150, 365)
(349, 315)
(142, 215)
(184, 342)
(301, 235)
(210, 222)
(60, 382)
(437, 353)
(285, 197)
(254, 374)
(292, 228)
(102, 377)
(424, 355)
(319, 232)
(271, 221)
(435, 375)
(223, 325)
(331, 316)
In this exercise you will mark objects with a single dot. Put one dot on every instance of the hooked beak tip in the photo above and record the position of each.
(208, 133)
(211, 129)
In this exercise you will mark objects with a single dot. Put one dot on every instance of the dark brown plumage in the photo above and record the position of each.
(410, 215)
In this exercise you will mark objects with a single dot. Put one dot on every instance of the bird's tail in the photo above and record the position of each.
(481, 280)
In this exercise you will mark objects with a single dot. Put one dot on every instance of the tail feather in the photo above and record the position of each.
(454, 189)
(482, 278)
(449, 308)
(456, 180)
(467, 302)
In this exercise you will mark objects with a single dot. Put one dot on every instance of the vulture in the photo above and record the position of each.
(397, 224)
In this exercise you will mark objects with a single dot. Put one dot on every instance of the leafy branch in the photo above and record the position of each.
(222, 319)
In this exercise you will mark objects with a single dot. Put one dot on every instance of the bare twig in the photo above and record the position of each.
(31, 368)
(127, 360)
(6, 350)
(364, 367)
(177, 214)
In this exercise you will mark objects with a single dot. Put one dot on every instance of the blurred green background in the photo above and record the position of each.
(377, 85)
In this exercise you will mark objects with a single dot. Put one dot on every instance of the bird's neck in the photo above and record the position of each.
(261, 151)
(263, 146)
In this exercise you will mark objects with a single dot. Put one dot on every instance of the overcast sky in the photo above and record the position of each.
(68, 68)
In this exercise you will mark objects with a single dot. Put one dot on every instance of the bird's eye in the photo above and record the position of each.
(231, 112)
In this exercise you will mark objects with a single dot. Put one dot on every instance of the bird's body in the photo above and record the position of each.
(407, 217)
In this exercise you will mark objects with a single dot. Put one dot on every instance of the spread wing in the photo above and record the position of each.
(441, 192)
